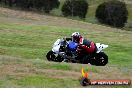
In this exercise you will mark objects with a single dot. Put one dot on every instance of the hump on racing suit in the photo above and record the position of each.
(87, 45)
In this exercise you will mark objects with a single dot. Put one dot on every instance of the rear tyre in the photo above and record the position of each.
(93, 61)
(101, 59)
(85, 59)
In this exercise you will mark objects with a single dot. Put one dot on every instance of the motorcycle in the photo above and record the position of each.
(62, 49)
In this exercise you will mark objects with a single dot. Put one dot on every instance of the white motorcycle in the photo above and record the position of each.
(61, 47)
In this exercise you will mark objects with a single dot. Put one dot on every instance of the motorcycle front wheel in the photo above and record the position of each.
(50, 56)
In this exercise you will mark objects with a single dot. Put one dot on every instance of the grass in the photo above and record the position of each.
(24, 44)
(40, 82)
(31, 73)
(90, 16)
(28, 41)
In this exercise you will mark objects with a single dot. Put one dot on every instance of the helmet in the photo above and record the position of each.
(76, 36)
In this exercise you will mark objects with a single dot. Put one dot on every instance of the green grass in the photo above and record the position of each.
(2, 84)
(23, 48)
(40, 82)
(90, 16)
(32, 41)
(39, 79)
(50, 82)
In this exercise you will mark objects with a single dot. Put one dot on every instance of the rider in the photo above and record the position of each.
(84, 46)
(82, 42)
(75, 37)
(87, 45)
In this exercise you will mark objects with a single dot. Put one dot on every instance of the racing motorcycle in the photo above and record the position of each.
(62, 49)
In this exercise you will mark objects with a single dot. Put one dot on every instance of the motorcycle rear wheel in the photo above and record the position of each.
(101, 59)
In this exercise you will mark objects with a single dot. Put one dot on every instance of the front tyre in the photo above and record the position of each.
(101, 59)
(50, 56)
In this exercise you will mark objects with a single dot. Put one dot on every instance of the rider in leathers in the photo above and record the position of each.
(87, 45)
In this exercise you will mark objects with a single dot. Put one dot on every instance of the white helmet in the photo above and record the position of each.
(77, 34)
